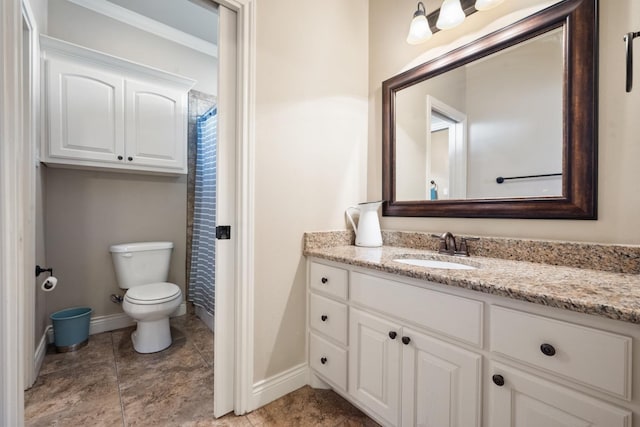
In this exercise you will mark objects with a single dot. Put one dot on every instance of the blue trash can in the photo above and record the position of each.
(71, 328)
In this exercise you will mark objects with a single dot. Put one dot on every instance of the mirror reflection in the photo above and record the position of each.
(489, 129)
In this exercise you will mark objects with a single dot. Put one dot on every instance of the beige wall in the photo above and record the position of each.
(619, 151)
(311, 124)
(87, 211)
(84, 27)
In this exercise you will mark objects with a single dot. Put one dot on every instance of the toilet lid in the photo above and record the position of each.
(153, 293)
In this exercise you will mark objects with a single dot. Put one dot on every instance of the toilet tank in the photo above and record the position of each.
(141, 263)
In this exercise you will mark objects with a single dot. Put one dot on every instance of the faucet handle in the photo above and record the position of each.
(464, 249)
(443, 242)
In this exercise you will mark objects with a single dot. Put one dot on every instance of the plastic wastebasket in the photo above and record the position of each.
(71, 328)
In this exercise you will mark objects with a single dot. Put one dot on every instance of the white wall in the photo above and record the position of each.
(618, 150)
(311, 141)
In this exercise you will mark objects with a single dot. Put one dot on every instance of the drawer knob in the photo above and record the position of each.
(406, 340)
(393, 335)
(130, 158)
(120, 157)
(498, 380)
(324, 317)
(323, 360)
(547, 349)
(324, 280)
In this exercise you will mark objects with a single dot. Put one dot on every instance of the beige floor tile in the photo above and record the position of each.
(99, 350)
(173, 398)
(307, 407)
(67, 397)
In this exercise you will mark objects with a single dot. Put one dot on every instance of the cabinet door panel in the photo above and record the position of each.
(374, 364)
(527, 401)
(85, 112)
(440, 383)
(155, 125)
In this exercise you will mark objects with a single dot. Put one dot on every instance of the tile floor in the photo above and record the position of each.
(107, 383)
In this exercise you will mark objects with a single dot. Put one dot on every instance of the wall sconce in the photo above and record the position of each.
(451, 14)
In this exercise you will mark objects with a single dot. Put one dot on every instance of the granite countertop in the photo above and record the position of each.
(607, 294)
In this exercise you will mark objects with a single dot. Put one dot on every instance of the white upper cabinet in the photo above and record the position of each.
(106, 112)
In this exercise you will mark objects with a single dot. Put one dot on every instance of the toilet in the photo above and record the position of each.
(142, 268)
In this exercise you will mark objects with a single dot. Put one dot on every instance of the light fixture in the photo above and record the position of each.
(451, 15)
(419, 31)
(487, 4)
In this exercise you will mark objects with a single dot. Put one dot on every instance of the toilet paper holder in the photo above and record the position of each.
(40, 270)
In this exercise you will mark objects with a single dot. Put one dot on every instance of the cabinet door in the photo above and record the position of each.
(527, 401)
(156, 123)
(85, 112)
(440, 383)
(374, 364)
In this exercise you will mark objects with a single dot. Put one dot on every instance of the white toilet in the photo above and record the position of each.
(142, 268)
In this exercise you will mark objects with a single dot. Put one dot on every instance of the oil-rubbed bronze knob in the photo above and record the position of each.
(393, 335)
(120, 157)
(130, 158)
(498, 380)
(547, 349)
(324, 280)
(324, 317)
(406, 340)
(323, 360)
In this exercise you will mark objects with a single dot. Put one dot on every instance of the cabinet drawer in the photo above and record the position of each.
(454, 316)
(595, 358)
(329, 317)
(330, 361)
(330, 280)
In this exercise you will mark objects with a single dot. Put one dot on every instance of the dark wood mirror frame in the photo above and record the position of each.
(579, 180)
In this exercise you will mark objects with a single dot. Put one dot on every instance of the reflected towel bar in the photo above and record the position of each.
(628, 39)
(501, 179)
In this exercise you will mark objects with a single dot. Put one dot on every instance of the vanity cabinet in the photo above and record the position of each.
(410, 352)
(106, 112)
(519, 399)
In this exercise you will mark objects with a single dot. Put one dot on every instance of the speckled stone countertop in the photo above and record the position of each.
(603, 293)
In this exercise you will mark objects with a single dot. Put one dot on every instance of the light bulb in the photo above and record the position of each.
(451, 15)
(419, 30)
(487, 4)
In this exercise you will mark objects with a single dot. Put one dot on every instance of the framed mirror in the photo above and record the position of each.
(504, 127)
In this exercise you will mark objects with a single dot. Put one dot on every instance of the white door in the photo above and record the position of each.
(156, 119)
(224, 326)
(524, 400)
(440, 383)
(85, 112)
(374, 363)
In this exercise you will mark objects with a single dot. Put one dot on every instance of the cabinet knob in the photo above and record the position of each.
(547, 349)
(120, 157)
(324, 280)
(498, 380)
(393, 335)
(130, 158)
(323, 360)
(324, 317)
(406, 340)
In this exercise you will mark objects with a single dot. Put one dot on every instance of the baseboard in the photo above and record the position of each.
(270, 389)
(41, 350)
(111, 322)
(206, 317)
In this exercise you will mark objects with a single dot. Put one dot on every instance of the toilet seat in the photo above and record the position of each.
(152, 293)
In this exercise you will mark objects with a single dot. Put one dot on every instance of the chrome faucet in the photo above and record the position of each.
(448, 244)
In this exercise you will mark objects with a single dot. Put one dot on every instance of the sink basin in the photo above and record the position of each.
(431, 263)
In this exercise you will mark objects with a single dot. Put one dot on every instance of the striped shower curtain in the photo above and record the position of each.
(203, 256)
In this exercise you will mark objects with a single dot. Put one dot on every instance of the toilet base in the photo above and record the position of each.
(151, 336)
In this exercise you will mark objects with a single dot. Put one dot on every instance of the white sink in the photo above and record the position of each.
(431, 263)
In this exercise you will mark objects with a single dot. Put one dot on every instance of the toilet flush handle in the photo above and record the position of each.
(127, 255)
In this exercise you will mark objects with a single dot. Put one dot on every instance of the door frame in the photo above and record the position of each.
(245, 188)
(12, 212)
